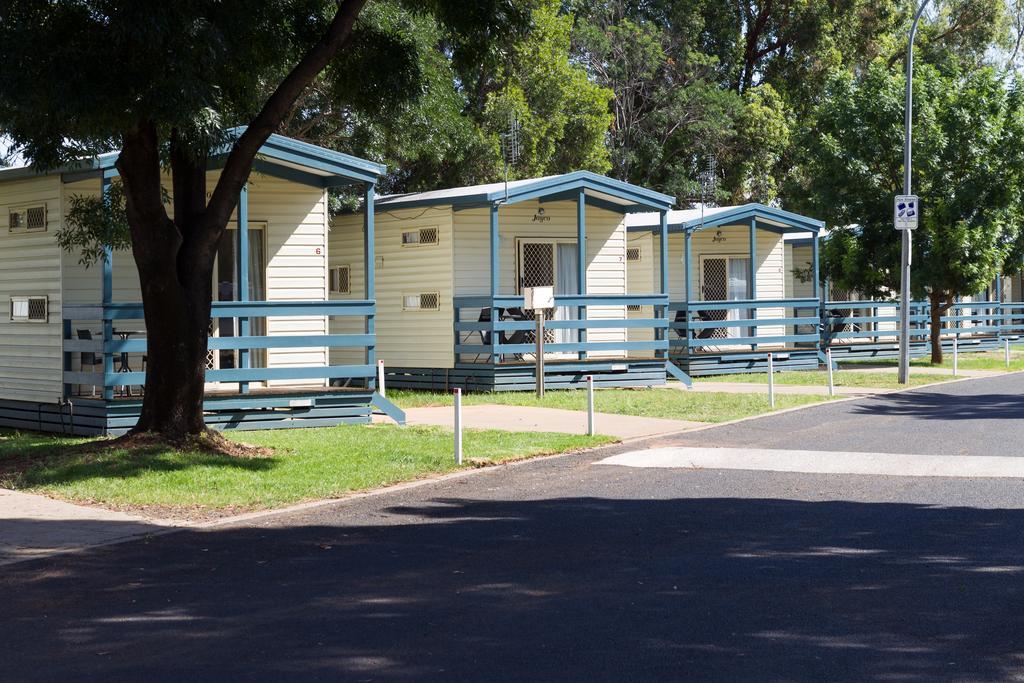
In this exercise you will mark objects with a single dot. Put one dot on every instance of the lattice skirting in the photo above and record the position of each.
(569, 375)
(95, 417)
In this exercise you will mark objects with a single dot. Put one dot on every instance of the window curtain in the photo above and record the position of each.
(739, 288)
(566, 283)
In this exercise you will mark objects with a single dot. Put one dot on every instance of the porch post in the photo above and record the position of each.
(242, 259)
(663, 274)
(107, 296)
(688, 262)
(581, 263)
(752, 277)
(688, 284)
(369, 278)
(752, 269)
(816, 268)
(495, 246)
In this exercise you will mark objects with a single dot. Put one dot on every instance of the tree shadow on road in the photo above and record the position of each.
(605, 589)
(929, 405)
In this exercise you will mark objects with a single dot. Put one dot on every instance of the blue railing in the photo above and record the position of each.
(114, 348)
(496, 329)
(849, 322)
(709, 326)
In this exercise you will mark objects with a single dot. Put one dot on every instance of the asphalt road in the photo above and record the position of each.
(561, 570)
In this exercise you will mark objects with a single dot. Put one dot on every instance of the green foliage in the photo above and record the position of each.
(967, 168)
(94, 223)
(563, 115)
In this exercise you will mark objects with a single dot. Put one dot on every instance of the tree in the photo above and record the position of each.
(968, 169)
(162, 81)
(562, 114)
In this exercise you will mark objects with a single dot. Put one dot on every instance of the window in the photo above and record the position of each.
(27, 219)
(341, 280)
(423, 236)
(633, 253)
(424, 301)
(29, 309)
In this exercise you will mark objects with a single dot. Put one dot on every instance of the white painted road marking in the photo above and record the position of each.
(823, 462)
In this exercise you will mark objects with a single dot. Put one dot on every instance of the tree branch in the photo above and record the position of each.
(239, 162)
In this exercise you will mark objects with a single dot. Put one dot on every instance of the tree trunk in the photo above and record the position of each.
(175, 257)
(939, 303)
(177, 326)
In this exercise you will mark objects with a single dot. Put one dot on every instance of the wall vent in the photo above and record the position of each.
(421, 237)
(632, 253)
(27, 219)
(341, 280)
(29, 309)
(424, 301)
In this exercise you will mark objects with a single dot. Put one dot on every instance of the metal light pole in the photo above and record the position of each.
(904, 374)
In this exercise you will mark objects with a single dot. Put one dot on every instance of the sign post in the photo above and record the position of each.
(539, 300)
(905, 217)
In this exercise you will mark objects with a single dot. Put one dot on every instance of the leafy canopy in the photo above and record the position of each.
(967, 168)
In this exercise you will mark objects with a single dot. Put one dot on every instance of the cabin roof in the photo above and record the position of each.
(280, 156)
(690, 220)
(605, 192)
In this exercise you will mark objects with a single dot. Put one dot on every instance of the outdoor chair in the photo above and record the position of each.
(706, 333)
(517, 337)
(88, 359)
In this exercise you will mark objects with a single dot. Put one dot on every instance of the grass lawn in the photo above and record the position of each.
(880, 380)
(986, 360)
(307, 464)
(667, 403)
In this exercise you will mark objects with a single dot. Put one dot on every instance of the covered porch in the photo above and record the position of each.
(268, 363)
(565, 232)
(732, 293)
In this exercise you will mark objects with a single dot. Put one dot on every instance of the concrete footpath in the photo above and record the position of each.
(531, 419)
(34, 526)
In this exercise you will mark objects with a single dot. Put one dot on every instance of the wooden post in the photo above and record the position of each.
(581, 265)
(242, 259)
(369, 268)
(663, 277)
(538, 314)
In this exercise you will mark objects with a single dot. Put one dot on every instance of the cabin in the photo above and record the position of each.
(452, 265)
(73, 343)
(734, 293)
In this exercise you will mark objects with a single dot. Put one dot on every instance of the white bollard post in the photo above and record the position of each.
(956, 355)
(591, 428)
(831, 383)
(380, 378)
(1006, 351)
(458, 426)
(771, 381)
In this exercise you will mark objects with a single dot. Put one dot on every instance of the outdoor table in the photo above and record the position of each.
(123, 365)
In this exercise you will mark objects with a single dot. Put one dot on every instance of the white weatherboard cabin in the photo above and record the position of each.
(452, 265)
(729, 265)
(73, 341)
